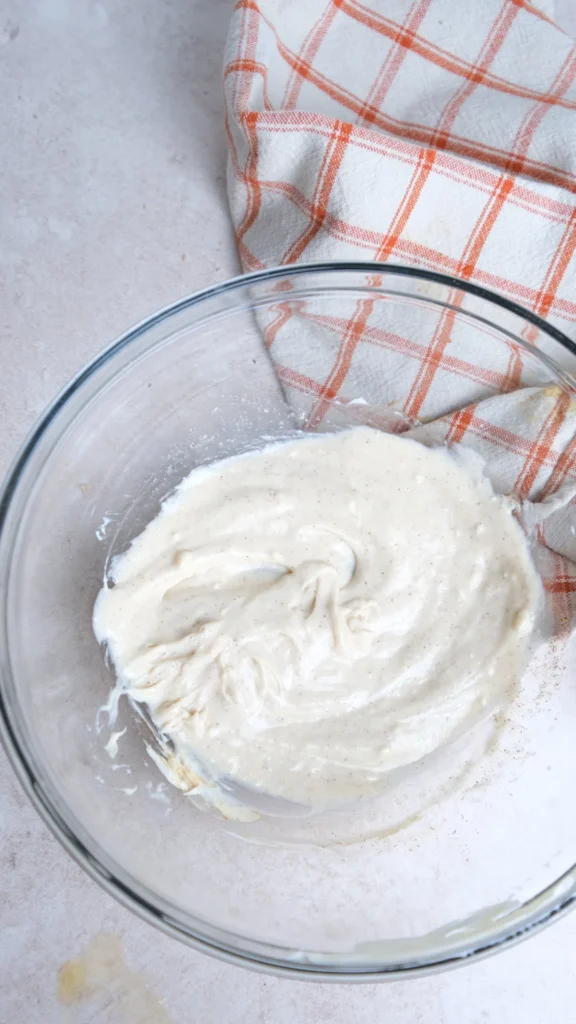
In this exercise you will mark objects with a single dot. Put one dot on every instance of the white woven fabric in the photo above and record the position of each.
(437, 134)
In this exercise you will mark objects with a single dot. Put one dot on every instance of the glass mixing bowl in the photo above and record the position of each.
(427, 876)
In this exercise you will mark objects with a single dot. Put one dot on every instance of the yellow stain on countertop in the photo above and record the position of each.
(73, 981)
(100, 973)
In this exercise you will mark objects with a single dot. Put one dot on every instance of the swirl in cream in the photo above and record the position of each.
(310, 616)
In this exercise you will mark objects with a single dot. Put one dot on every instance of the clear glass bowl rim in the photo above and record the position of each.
(553, 902)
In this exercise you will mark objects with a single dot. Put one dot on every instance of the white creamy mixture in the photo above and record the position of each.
(310, 616)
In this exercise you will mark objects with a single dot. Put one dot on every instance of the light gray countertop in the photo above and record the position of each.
(112, 204)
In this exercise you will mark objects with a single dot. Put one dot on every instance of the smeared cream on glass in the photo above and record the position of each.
(308, 617)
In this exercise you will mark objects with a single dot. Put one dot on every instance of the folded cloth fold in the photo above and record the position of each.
(434, 134)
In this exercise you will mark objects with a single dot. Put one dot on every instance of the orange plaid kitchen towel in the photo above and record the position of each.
(440, 133)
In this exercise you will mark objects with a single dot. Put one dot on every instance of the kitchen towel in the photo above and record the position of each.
(435, 133)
